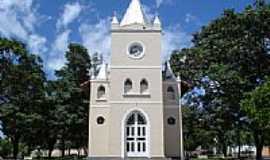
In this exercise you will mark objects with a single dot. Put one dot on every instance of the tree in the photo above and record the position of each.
(47, 131)
(195, 131)
(230, 56)
(72, 101)
(22, 84)
(5, 148)
(256, 105)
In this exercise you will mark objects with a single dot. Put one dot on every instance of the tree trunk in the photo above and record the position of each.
(259, 139)
(51, 147)
(239, 144)
(51, 144)
(239, 151)
(259, 152)
(29, 149)
(15, 143)
(224, 149)
(50, 153)
(63, 148)
(79, 152)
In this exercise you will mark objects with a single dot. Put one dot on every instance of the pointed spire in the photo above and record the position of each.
(134, 14)
(114, 19)
(168, 72)
(102, 75)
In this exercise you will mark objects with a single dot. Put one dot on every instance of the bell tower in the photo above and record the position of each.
(136, 54)
(127, 106)
(136, 77)
(135, 40)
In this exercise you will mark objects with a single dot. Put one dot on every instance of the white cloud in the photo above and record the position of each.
(56, 58)
(96, 37)
(55, 64)
(160, 2)
(61, 41)
(30, 21)
(18, 19)
(189, 18)
(12, 15)
(149, 13)
(37, 44)
(11, 27)
(174, 38)
(71, 12)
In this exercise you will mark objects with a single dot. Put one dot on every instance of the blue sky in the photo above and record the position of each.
(47, 26)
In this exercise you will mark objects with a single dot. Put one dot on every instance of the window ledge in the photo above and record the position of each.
(147, 95)
(170, 101)
(101, 100)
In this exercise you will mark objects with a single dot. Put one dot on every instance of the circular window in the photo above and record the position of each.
(100, 120)
(136, 50)
(171, 121)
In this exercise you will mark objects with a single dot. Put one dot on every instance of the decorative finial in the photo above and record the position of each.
(114, 19)
(178, 76)
(157, 20)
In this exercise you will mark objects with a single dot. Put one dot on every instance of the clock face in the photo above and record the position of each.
(136, 50)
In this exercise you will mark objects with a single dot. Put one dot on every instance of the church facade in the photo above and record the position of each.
(135, 102)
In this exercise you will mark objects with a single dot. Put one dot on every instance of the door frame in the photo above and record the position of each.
(123, 133)
(133, 130)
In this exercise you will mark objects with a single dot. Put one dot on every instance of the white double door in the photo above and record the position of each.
(136, 139)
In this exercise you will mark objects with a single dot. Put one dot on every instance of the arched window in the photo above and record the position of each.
(171, 93)
(101, 92)
(127, 86)
(143, 86)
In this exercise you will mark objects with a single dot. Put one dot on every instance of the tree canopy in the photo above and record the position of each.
(230, 57)
(256, 105)
(37, 112)
(22, 85)
(73, 101)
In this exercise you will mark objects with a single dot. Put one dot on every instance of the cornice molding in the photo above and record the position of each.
(135, 67)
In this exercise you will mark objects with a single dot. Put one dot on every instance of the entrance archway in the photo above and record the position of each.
(136, 131)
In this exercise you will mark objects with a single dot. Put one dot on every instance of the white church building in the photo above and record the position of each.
(134, 108)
